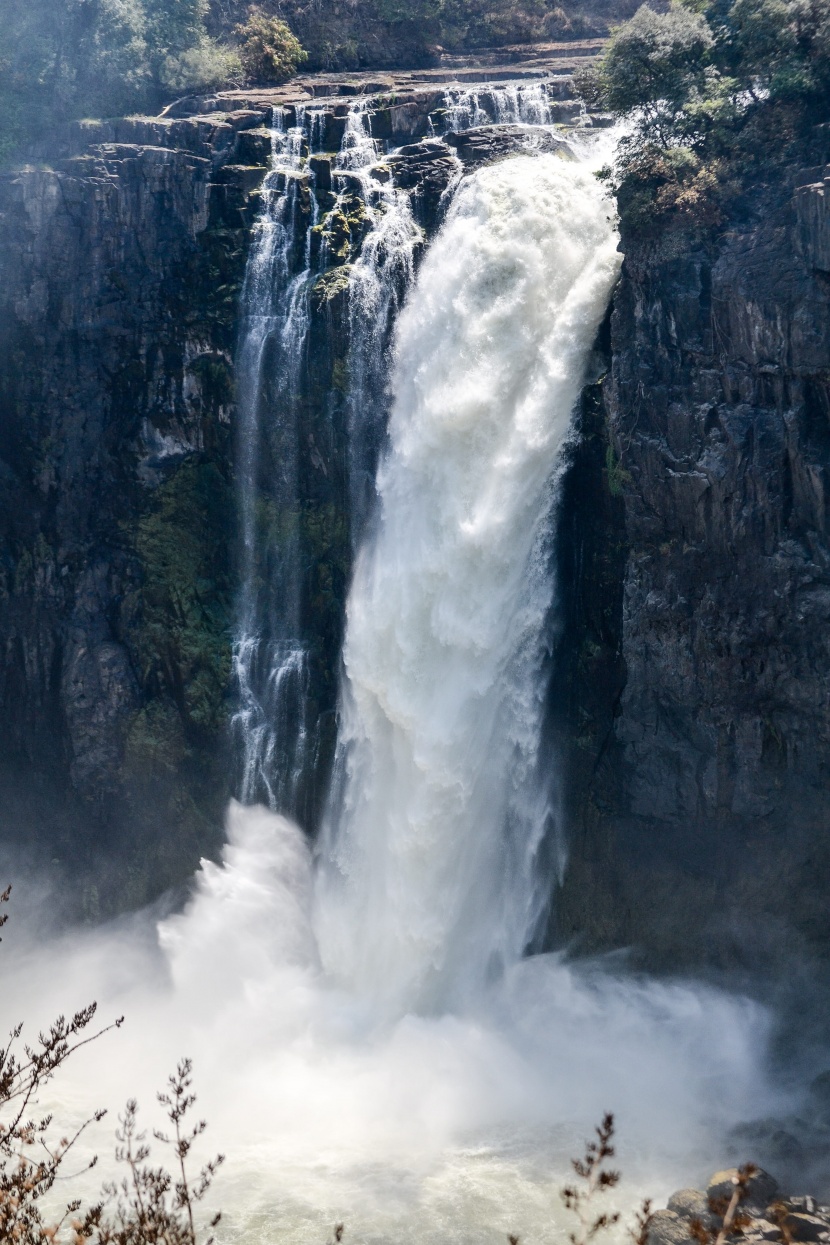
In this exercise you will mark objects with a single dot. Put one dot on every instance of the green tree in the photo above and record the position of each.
(268, 50)
(63, 59)
(718, 94)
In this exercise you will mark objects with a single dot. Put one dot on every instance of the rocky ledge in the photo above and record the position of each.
(761, 1213)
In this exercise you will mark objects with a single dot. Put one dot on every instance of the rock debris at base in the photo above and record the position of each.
(772, 1214)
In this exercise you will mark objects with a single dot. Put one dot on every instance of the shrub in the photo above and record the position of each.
(269, 52)
(208, 64)
(151, 1205)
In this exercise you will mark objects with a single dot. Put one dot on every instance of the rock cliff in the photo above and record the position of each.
(701, 829)
(690, 691)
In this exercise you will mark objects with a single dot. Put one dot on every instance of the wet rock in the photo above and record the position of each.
(254, 147)
(709, 797)
(321, 169)
(494, 142)
(426, 169)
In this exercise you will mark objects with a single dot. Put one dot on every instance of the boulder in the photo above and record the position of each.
(668, 1228)
(690, 1204)
(488, 143)
(761, 1189)
(806, 1227)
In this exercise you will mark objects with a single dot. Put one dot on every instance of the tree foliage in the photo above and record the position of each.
(151, 1206)
(62, 59)
(717, 94)
(268, 50)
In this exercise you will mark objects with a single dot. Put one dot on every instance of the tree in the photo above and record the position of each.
(30, 1159)
(656, 65)
(63, 59)
(268, 50)
(717, 95)
(150, 1206)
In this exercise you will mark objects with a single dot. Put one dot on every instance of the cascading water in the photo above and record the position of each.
(275, 736)
(511, 104)
(378, 281)
(369, 1045)
(427, 881)
(269, 658)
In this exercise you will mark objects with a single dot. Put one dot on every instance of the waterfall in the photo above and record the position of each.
(369, 1044)
(378, 281)
(512, 104)
(274, 728)
(427, 884)
(269, 657)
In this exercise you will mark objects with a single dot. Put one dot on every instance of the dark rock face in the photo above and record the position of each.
(121, 267)
(707, 815)
(485, 144)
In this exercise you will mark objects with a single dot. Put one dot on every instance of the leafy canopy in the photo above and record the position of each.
(717, 94)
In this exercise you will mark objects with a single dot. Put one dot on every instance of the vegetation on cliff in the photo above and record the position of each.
(399, 32)
(69, 59)
(62, 59)
(719, 95)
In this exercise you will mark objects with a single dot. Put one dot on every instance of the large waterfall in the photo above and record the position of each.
(427, 881)
(371, 1042)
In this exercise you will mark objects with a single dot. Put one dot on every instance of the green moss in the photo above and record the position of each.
(342, 229)
(215, 378)
(340, 375)
(329, 285)
(182, 643)
(155, 740)
(615, 473)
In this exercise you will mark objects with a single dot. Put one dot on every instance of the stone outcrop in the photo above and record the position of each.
(701, 831)
(764, 1213)
(121, 267)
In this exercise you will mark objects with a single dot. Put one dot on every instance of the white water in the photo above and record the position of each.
(435, 1130)
(427, 880)
(379, 279)
(269, 658)
(368, 1046)
(510, 104)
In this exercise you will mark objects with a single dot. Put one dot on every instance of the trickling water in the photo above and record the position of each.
(271, 661)
(269, 658)
(378, 282)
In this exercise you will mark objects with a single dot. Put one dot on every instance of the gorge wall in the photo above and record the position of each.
(691, 666)
(702, 826)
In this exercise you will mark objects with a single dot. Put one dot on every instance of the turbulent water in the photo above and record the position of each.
(369, 1044)
(427, 880)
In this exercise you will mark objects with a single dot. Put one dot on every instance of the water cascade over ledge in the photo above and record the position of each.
(371, 1044)
(427, 880)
